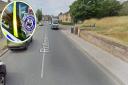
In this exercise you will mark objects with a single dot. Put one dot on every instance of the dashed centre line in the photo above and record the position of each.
(44, 50)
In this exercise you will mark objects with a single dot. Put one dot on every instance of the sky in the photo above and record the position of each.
(51, 7)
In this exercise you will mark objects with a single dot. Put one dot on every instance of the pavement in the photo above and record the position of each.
(114, 66)
(53, 59)
(3, 48)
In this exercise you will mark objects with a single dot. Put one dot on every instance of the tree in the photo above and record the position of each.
(124, 10)
(39, 15)
(85, 9)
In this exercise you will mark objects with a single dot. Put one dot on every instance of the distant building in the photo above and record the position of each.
(2, 5)
(46, 17)
(65, 17)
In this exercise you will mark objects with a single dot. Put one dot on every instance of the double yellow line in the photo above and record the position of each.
(15, 30)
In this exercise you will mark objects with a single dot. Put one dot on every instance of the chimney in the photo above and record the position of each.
(9, 1)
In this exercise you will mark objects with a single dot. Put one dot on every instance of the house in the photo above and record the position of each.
(65, 17)
(46, 17)
(2, 5)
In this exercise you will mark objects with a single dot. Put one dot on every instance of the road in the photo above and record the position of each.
(62, 64)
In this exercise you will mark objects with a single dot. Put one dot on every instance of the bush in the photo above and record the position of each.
(0, 33)
(124, 10)
(66, 23)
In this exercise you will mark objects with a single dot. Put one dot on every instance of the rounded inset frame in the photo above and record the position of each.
(18, 22)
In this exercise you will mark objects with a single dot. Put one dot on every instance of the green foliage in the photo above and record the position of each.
(39, 15)
(85, 9)
(124, 10)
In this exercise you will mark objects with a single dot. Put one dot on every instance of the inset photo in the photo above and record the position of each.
(18, 22)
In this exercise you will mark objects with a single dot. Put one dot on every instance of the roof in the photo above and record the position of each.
(62, 14)
(2, 5)
(67, 13)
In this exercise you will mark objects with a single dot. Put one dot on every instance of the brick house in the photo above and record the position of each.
(65, 17)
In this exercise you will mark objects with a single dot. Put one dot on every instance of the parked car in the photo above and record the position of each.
(41, 23)
(2, 73)
(14, 46)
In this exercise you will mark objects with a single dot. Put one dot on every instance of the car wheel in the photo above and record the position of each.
(3, 80)
(25, 47)
(31, 40)
(12, 49)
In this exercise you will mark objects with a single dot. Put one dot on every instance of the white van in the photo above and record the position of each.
(54, 23)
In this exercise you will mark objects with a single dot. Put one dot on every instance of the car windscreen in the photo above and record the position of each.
(55, 22)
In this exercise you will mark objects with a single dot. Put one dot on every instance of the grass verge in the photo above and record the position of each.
(3, 44)
(114, 27)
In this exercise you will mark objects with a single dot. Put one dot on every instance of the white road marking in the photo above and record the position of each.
(42, 70)
(44, 50)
